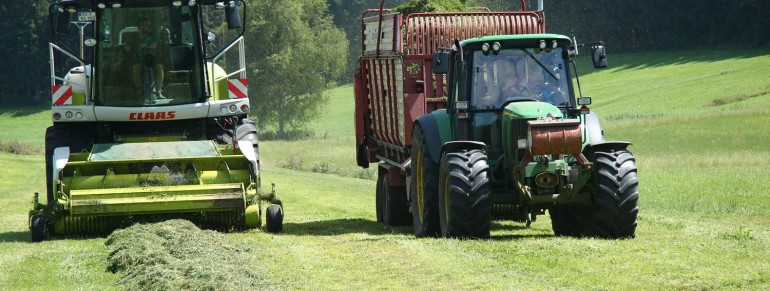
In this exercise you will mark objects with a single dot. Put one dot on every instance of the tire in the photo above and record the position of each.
(614, 187)
(38, 228)
(76, 138)
(424, 187)
(616, 194)
(394, 208)
(464, 205)
(380, 197)
(567, 220)
(274, 219)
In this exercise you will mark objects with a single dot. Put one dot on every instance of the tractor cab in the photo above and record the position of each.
(499, 80)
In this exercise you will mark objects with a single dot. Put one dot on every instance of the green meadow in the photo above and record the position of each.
(699, 124)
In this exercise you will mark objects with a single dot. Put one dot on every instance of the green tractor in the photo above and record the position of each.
(515, 141)
(150, 119)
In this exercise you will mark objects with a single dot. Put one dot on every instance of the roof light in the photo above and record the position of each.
(191, 3)
(485, 48)
(554, 44)
(219, 5)
(177, 3)
(116, 5)
(542, 44)
(101, 5)
(496, 47)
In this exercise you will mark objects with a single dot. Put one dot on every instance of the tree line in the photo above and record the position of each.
(297, 49)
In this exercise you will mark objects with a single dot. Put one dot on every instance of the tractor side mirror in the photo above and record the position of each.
(599, 56)
(232, 15)
(62, 22)
(440, 62)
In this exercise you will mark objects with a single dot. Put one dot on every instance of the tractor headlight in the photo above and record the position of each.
(68, 114)
(233, 108)
(79, 115)
(521, 143)
(223, 110)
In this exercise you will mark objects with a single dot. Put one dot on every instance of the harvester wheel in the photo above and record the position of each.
(424, 188)
(38, 228)
(274, 219)
(77, 139)
(464, 205)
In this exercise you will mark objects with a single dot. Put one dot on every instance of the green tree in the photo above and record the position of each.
(24, 35)
(294, 53)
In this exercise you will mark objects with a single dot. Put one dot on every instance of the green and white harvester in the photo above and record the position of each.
(150, 119)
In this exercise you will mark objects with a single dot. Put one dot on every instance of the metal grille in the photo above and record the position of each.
(425, 32)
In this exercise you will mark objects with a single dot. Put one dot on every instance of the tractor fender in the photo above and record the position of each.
(607, 145)
(435, 130)
(463, 144)
(593, 128)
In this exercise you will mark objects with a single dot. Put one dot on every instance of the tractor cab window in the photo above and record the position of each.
(148, 57)
(517, 73)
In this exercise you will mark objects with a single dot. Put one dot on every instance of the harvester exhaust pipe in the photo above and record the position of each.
(539, 5)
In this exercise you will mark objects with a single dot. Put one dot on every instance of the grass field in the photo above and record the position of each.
(699, 124)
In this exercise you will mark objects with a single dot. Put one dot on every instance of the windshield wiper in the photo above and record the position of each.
(540, 64)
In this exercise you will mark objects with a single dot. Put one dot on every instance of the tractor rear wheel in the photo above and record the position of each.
(393, 208)
(424, 188)
(274, 219)
(464, 205)
(38, 228)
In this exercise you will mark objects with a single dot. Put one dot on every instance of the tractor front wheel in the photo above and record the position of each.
(465, 210)
(616, 194)
(614, 186)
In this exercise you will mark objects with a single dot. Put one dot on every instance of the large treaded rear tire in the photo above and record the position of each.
(614, 186)
(464, 205)
(424, 188)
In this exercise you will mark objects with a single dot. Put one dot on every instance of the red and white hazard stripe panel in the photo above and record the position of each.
(238, 88)
(61, 95)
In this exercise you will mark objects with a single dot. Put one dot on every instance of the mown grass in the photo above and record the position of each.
(704, 219)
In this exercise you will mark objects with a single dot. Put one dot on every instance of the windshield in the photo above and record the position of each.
(517, 73)
(148, 57)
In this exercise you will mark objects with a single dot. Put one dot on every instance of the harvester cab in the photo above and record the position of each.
(150, 119)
